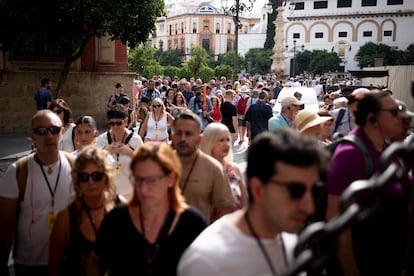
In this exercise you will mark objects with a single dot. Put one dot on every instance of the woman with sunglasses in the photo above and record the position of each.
(216, 142)
(61, 108)
(157, 123)
(72, 241)
(156, 225)
(121, 143)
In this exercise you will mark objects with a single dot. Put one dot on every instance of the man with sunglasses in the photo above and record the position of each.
(379, 118)
(283, 170)
(28, 210)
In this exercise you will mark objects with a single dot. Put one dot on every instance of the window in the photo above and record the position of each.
(176, 29)
(367, 34)
(395, 2)
(169, 44)
(342, 34)
(368, 3)
(217, 28)
(320, 5)
(299, 5)
(194, 27)
(344, 3)
(182, 27)
(228, 28)
(170, 31)
(296, 35)
(205, 24)
(318, 35)
(387, 33)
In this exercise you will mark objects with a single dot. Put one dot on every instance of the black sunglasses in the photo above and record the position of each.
(395, 110)
(58, 111)
(96, 176)
(43, 130)
(118, 123)
(156, 105)
(296, 189)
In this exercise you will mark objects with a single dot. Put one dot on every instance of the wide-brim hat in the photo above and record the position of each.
(306, 119)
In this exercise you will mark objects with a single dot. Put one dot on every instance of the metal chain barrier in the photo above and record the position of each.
(326, 234)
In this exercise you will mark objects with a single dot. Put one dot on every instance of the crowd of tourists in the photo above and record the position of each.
(159, 194)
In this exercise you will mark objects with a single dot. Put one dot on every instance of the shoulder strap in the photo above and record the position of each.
(367, 158)
(21, 176)
(128, 137)
(338, 120)
(108, 135)
(70, 158)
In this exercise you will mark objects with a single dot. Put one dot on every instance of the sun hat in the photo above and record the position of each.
(306, 119)
(289, 100)
(244, 89)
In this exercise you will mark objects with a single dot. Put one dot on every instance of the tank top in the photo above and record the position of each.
(157, 130)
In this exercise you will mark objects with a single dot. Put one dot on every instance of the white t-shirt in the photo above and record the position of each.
(32, 231)
(223, 249)
(122, 183)
(67, 142)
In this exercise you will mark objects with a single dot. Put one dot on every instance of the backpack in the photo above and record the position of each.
(241, 105)
(108, 135)
(21, 172)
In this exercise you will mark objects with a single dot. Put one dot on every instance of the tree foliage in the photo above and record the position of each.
(206, 73)
(369, 52)
(224, 70)
(199, 58)
(140, 57)
(260, 60)
(63, 28)
(170, 58)
(228, 59)
(317, 61)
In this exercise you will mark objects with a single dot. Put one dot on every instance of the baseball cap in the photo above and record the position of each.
(289, 100)
(196, 86)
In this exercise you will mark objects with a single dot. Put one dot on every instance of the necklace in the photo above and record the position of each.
(261, 246)
(184, 185)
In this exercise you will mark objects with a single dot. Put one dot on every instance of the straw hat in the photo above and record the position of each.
(306, 119)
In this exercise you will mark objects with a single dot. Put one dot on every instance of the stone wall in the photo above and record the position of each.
(86, 93)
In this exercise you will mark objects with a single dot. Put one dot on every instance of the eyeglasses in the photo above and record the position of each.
(118, 123)
(41, 131)
(156, 105)
(96, 176)
(395, 110)
(296, 189)
(58, 111)
(149, 180)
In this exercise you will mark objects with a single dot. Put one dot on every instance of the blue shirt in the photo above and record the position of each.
(278, 121)
(258, 116)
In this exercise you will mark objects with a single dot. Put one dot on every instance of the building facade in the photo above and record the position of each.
(343, 26)
(201, 24)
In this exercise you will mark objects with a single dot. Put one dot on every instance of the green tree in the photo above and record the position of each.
(171, 57)
(153, 68)
(317, 61)
(63, 28)
(140, 57)
(224, 70)
(206, 73)
(260, 60)
(228, 59)
(185, 72)
(198, 59)
(172, 71)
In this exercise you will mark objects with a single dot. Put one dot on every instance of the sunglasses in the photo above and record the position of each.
(395, 110)
(96, 176)
(118, 123)
(296, 189)
(58, 111)
(156, 105)
(41, 131)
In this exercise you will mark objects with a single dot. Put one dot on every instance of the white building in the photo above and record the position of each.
(343, 26)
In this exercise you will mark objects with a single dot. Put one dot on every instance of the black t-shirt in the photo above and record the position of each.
(123, 250)
(228, 110)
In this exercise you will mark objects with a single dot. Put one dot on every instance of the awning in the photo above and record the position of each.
(369, 74)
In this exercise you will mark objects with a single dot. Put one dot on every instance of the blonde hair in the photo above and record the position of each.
(169, 162)
(158, 100)
(210, 138)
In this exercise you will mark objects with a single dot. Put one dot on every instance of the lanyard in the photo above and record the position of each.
(188, 175)
(260, 244)
(52, 193)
